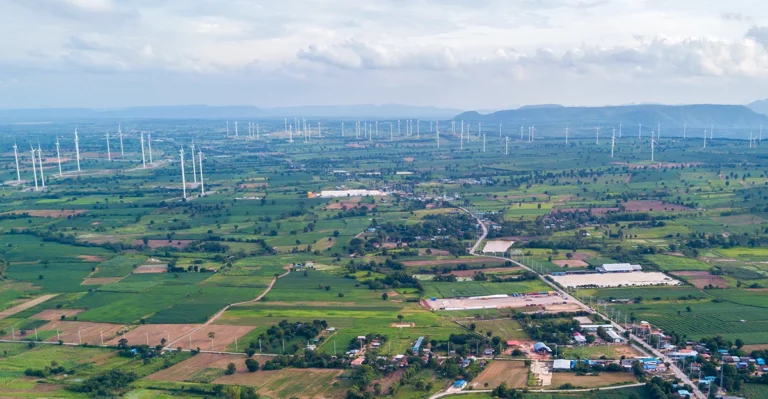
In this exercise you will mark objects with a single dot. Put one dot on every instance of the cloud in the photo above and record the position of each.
(735, 16)
(352, 54)
(759, 34)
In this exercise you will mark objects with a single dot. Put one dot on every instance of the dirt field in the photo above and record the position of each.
(156, 332)
(224, 336)
(571, 263)
(49, 213)
(92, 258)
(603, 379)
(632, 279)
(648, 205)
(55, 314)
(186, 369)
(151, 269)
(496, 303)
(470, 273)
(514, 373)
(89, 332)
(349, 203)
(702, 279)
(100, 280)
(595, 211)
(402, 325)
(180, 244)
(24, 306)
(476, 259)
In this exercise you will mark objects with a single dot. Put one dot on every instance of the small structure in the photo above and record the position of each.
(541, 347)
(460, 384)
(580, 339)
(561, 364)
(418, 343)
(357, 362)
(594, 327)
(615, 337)
(488, 352)
(684, 394)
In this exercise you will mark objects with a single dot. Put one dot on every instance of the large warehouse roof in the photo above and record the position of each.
(619, 267)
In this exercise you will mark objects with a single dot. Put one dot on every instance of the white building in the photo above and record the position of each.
(561, 364)
(615, 337)
(350, 193)
(619, 268)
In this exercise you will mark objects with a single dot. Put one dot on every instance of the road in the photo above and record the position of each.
(449, 393)
(672, 366)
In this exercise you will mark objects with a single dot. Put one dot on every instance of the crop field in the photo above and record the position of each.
(597, 352)
(115, 251)
(755, 391)
(589, 381)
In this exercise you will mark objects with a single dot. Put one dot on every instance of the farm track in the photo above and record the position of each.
(218, 314)
(24, 306)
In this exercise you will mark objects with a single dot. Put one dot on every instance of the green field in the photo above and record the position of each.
(476, 288)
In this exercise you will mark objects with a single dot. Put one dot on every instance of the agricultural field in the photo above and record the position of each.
(116, 258)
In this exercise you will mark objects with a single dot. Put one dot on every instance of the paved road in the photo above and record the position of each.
(676, 370)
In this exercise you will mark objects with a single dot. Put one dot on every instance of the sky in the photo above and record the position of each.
(466, 54)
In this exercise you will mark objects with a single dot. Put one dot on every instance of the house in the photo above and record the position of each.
(357, 362)
(311, 347)
(541, 348)
(684, 394)
(561, 364)
(488, 352)
(683, 353)
(580, 339)
(418, 343)
(460, 384)
(330, 329)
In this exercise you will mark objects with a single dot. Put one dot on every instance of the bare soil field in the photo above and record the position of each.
(514, 373)
(701, 279)
(348, 203)
(92, 258)
(595, 211)
(648, 205)
(89, 332)
(55, 314)
(591, 381)
(49, 213)
(100, 280)
(180, 244)
(531, 302)
(224, 336)
(435, 252)
(156, 332)
(571, 263)
(24, 306)
(470, 273)
(157, 268)
(476, 259)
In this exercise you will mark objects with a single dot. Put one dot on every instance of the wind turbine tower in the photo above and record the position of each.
(200, 158)
(143, 159)
(566, 134)
(705, 138)
(658, 131)
(499, 129)
(483, 142)
(506, 145)
(653, 146)
(119, 133)
(613, 141)
(227, 128)
(77, 149)
(639, 130)
(194, 169)
(391, 133)
(183, 177)
(40, 158)
(34, 168)
(235, 136)
(597, 135)
(685, 127)
(342, 129)
(149, 147)
(620, 126)
(58, 155)
(16, 155)
(109, 153)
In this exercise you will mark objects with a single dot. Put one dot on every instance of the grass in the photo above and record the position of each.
(755, 391)
(669, 263)
(477, 288)
(503, 328)
(602, 380)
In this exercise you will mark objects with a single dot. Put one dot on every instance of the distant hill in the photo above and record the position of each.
(232, 112)
(671, 116)
(760, 106)
(539, 106)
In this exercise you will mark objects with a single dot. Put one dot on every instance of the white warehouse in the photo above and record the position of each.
(619, 268)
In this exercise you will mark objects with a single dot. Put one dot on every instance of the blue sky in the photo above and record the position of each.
(478, 54)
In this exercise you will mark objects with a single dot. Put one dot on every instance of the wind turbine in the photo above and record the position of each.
(566, 134)
(760, 136)
(342, 129)
(506, 145)
(685, 127)
(597, 135)
(183, 177)
(483, 142)
(620, 125)
(119, 133)
(705, 138)
(653, 146)
(194, 169)
(461, 145)
(521, 132)
(58, 155)
(40, 158)
(235, 136)
(109, 153)
(202, 183)
(658, 132)
(613, 141)
(290, 134)
(16, 155)
(499, 129)
(639, 130)
(34, 168)
(149, 147)
(143, 159)
(77, 149)
(227, 128)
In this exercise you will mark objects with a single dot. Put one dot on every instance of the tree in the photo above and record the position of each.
(231, 368)
(384, 296)
(211, 335)
(739, 343)
(252, 365)
(400, 317)
(232, 391)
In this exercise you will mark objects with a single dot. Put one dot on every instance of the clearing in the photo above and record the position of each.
(514, 373)
(55, 314)
(571, 263)
(703, 279)
(24, 306)
(592, 381)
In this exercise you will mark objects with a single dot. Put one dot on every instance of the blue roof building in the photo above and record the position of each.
(540, 346)
(417, 345)
(459, 384)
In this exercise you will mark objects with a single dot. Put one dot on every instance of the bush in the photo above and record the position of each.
(252, 365)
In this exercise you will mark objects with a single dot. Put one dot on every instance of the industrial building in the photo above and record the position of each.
(619, 268)
(345, 193)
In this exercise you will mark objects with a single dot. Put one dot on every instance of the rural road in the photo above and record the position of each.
(218, 314)
(676, 370)
(449, 393)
